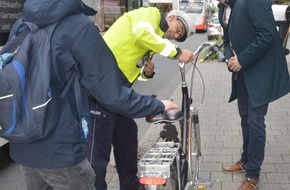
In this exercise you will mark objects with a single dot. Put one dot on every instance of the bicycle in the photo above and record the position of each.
(168, 164)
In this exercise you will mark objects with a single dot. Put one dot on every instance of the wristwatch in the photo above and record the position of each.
(150, 77)
(178, 53)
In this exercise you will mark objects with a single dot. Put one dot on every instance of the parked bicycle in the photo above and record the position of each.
(168, 164)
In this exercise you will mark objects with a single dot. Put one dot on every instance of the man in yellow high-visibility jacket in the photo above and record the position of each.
(135, 35)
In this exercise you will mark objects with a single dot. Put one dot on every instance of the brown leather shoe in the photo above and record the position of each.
(238, 167)
(249, 184)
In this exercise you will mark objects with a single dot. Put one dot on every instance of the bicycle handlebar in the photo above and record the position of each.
(215, 49)
(202, 46)
(172, 115)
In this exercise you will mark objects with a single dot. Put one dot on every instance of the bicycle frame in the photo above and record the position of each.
(156, 164)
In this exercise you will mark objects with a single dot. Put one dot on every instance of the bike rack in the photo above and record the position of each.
(158, 159)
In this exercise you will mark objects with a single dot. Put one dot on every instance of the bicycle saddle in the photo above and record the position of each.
(168, 116)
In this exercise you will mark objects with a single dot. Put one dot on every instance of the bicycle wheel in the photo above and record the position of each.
(195, 149)
(185, 151)
(191, 149)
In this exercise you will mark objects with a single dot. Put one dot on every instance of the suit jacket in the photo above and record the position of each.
(257, 43)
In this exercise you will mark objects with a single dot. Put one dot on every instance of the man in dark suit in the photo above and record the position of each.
(256, 58)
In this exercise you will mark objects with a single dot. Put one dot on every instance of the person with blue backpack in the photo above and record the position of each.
(58, 159)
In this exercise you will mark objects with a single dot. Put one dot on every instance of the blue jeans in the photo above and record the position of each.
(78, 177)
(253, 130)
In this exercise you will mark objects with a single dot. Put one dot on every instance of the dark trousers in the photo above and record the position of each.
(253, 130)
(107, 129)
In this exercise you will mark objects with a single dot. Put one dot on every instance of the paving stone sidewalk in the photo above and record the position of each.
(221, 135)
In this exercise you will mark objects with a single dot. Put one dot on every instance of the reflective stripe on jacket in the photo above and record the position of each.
(133, 34)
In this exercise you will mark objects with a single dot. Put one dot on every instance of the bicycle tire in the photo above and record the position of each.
(191, 150)
(183, 173)
(174, 176)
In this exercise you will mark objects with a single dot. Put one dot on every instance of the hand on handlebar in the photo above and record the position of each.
(169, 104)
(186, 56)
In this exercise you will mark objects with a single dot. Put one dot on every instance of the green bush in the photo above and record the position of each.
(205, 52)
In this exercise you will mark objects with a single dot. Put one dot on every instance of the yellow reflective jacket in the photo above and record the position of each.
(133, 34)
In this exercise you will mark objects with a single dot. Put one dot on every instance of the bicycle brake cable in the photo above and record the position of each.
(192, 80)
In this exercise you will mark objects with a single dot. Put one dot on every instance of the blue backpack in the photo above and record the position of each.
(25, 93)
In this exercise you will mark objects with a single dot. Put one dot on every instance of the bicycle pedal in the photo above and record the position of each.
(203, 184)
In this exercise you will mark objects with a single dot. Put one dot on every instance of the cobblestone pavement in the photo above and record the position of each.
(221, 135)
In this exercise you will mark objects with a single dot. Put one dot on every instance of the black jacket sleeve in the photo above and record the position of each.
(100, 77)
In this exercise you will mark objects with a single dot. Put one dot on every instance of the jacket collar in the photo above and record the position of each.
(163, 23)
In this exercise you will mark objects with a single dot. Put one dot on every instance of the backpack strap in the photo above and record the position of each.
(74, 79)
(20, 33)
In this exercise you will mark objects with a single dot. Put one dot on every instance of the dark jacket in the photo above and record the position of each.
(75, 41)
(256, 41)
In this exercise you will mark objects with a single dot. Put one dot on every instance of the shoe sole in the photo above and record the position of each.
(241, 171)
(254, 186)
